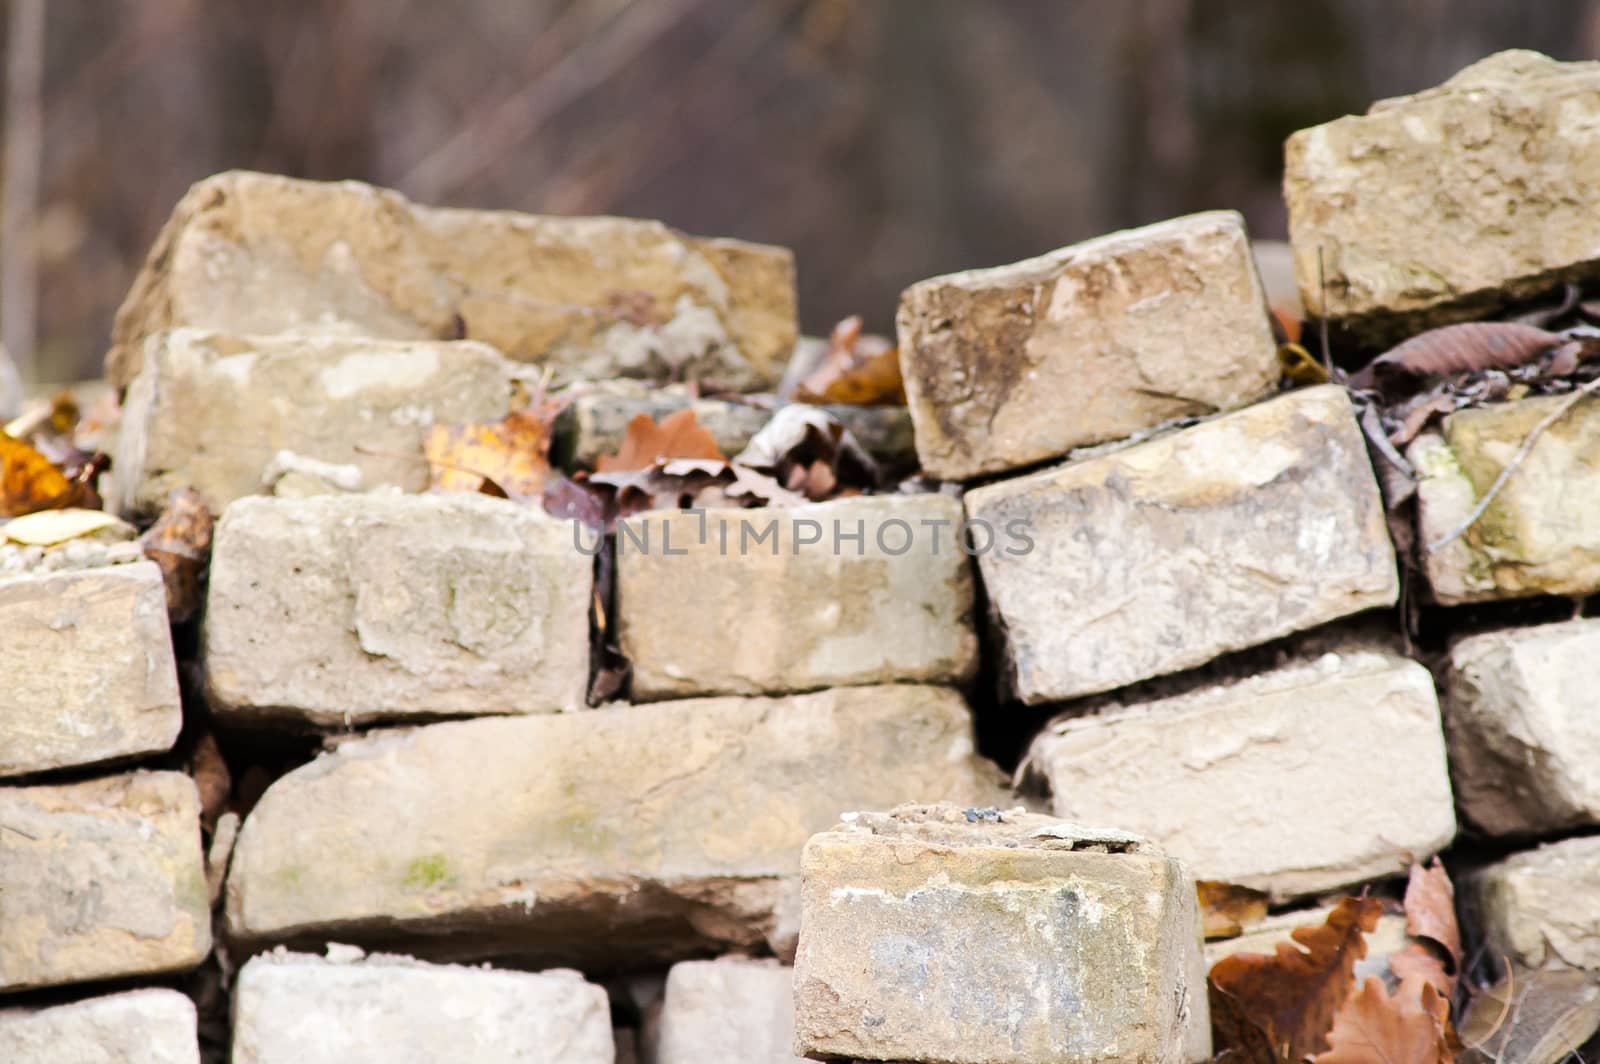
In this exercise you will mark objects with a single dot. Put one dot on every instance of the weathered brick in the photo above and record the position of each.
(1407, 205)
(1009, 366)
(1313, 776)
(629, 834)
(1524, 754)
(937, 934)
(1541, 533)
(210, 411)
(1541, 907)
(732, 1008)
(704, 606)
(100, 880)
(341, 609)
(589, 297)
(304, 1008)
(1166, 554)
(147, 1026)
(88, 667)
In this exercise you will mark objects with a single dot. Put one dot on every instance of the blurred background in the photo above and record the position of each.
(884, 140)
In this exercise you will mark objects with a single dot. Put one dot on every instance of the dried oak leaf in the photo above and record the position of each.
(509, 457)
(29, 481)
(1226, 910)
(857, 370)
(1531, 1017)
(1434, 954)
(1280, 1007)
(211, 778)
(1410, 1026)
(1465, 348)
(180, 544)
(678, 436)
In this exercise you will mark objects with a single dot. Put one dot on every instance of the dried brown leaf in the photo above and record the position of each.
(857, 370)
(509, 457)
(1374, 1027)
(1286, 1002)
(180, 544)
(678, 435)
(29, 481)
(1434, 955)
(1226, 909)
(211, 778)
(1465, 348)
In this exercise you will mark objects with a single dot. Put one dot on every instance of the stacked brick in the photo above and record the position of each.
(1142, 530)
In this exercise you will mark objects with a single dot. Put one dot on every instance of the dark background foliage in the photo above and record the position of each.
(884, 140)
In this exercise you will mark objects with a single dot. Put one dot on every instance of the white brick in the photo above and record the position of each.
(138, 1027)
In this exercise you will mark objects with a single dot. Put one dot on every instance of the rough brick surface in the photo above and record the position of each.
(1307, 778)
(87, 666)
(732, 1008)
(210, 411)
(1524, 744)
(629, 834)
(935, 934)
(343, 609)
(1009, 366)
(1541, 907)
(1166, 554)
(1409, 203)
(101, 880)
(705, 607)
(1541, 533)
(350, 1009)
(589, 297)
(138, 1027)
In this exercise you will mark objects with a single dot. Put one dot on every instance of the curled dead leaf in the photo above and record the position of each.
(1464, 348)
(1285, 1003)
(679, 435)
(180, 544)
(1531, 1017)
(509, 458)
(1226, 909)
(856, 369)
(1410, 1026)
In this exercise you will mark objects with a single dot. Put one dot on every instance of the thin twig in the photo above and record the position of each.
(1511, 467)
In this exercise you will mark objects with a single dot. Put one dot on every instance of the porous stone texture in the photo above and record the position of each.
(1165, 554)
(1009, 366)
(942, 934)
(143, 1026)
(1540, 907)
(1309, 777)
(588, 297)
(1524, 740)
(350, 1009)
(1540, 535)
(1447, 204)
(625, 835)
(732, 1008)
(87, 666)
(705, 607)
(211, 411)
(336, 610)
(101, 880)
(596, 421)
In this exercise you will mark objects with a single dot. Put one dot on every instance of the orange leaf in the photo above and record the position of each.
(1433, 954)
(1286, 1002)
(1375, 1028)
(1226, 910)
(510, 457)
(678, 436)
(859, 370)
(29, 481)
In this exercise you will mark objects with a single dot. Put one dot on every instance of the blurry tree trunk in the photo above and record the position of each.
(18, 279)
